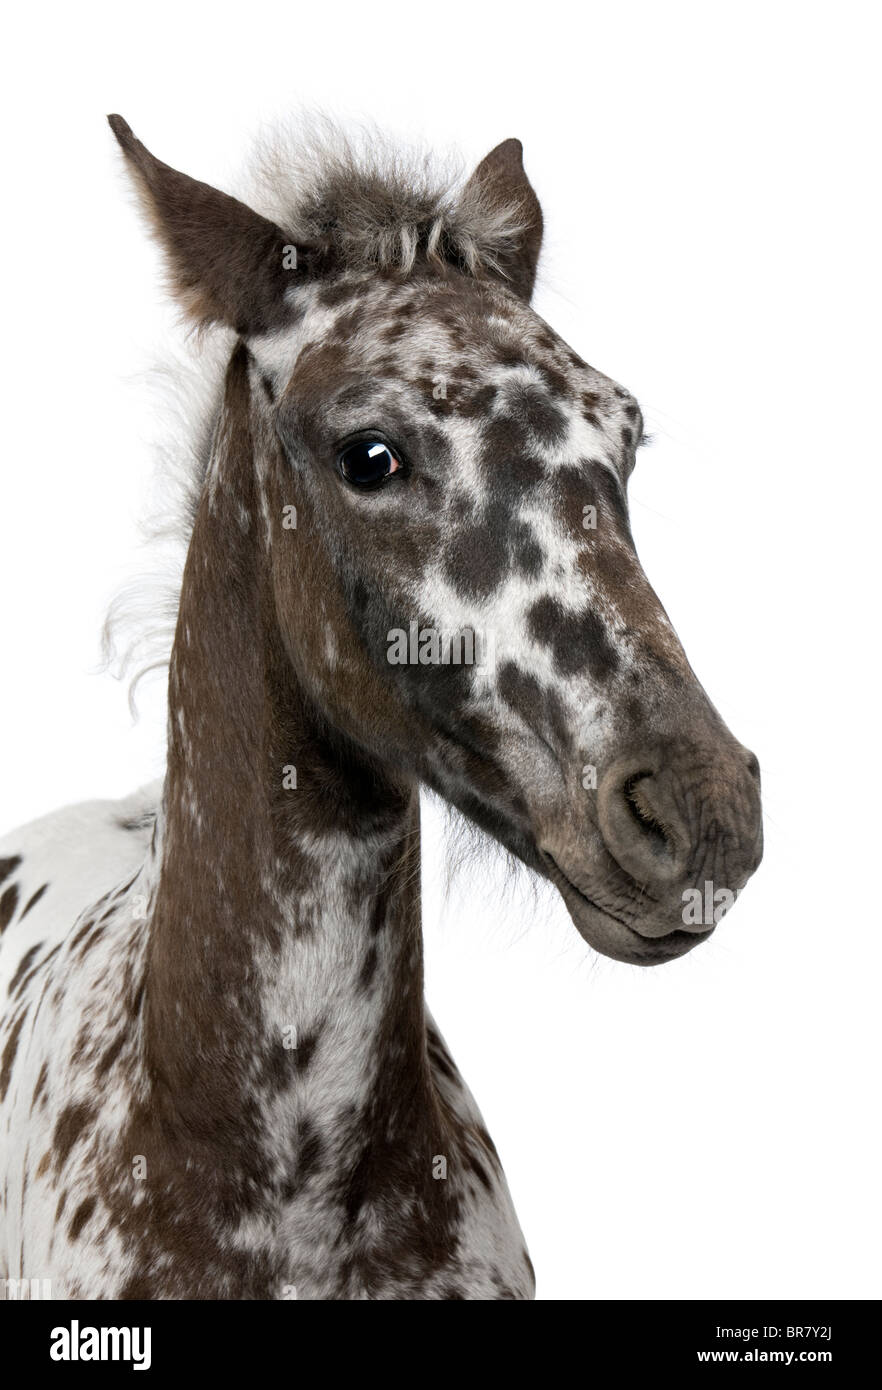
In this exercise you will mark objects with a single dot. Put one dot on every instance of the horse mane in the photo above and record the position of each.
(378, 203)
(139, 627)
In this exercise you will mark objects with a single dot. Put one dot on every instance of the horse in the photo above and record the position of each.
(410, 565)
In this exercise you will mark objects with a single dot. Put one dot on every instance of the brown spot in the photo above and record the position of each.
(69, 1128)
(84, 929)
(80, 1217)
(368, 969)
(110, 1055)
(305, 1049)
(40, 1087)
(9, 1052)
(136, 1000)
(8, 904)
(91, 940)
(33, 900)
(23, 966)
(9, 866)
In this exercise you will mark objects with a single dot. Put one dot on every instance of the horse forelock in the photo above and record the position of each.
(377, 201)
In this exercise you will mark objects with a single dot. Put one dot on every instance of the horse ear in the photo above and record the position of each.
(501, 183)
(227, 264)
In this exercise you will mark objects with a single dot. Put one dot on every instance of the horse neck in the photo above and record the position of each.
(284, 946)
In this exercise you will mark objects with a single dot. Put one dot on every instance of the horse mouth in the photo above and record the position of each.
(612, 935)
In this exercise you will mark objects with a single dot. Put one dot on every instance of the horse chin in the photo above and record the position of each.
(614, 938)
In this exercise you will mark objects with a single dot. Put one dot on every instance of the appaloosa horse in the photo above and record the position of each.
(217, 1072)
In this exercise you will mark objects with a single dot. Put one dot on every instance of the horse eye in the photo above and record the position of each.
(368, 462)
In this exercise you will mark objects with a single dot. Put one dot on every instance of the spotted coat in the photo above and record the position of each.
(218, 1076)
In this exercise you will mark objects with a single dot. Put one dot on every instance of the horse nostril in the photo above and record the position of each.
(641, 808)
(640, 822)
(663, 818)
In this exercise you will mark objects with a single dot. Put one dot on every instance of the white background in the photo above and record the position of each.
(709, 175)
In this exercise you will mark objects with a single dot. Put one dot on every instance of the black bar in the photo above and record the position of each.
(592, 1338)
